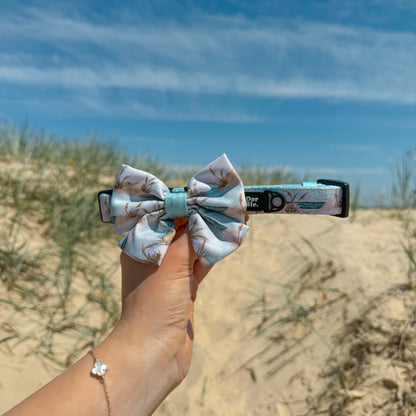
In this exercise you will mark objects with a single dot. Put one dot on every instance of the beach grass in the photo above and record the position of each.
(48, 238)
(60, 297)
(288, 316)
(51, 238)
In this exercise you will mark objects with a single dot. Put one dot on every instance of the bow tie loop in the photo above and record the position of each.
(175, 204)
(143, 206)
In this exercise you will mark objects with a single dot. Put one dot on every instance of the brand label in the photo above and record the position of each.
(253, 202)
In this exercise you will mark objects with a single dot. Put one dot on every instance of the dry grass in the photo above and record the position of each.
(56, 286)
(369, 364)
(54, 282)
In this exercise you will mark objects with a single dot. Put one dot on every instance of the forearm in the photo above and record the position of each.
(149, 351)
(138, 379)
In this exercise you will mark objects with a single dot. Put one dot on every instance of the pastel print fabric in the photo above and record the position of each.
(216, 208)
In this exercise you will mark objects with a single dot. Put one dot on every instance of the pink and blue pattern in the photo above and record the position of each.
(215, 204)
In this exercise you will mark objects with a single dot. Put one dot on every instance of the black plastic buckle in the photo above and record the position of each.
(273, 201)
(345, 204)
(106, 192)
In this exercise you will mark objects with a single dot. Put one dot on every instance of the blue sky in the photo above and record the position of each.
(323, 87)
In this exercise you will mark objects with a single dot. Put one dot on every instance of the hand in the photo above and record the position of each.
(158, 306)
(149, 351)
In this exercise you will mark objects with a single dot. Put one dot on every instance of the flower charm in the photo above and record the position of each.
(99, 368)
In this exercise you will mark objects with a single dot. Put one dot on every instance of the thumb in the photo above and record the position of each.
(180, 256)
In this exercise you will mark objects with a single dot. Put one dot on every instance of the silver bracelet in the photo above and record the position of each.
(99, 369)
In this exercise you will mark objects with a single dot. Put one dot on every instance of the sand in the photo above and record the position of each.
(334, 313)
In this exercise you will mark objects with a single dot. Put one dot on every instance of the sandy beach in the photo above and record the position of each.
(311, 314)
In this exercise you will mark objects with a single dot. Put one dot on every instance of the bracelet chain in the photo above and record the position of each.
(102, 379)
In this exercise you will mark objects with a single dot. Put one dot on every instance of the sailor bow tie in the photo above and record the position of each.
(214, 201)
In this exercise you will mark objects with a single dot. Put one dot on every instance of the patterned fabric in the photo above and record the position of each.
(310, 198)
(143, 206)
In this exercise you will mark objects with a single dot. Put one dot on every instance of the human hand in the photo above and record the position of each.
(149, 351)
(158, 308)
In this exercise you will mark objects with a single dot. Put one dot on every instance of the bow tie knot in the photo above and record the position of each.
(176, 204)
(214, 201)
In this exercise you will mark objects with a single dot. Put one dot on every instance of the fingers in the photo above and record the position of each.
(180, 260)
(181, 224)
(200, 270)
(133, 274)
(180, 253)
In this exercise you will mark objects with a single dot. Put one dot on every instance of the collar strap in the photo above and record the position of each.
(324, 197)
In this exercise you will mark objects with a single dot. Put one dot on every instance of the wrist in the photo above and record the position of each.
(141, 374)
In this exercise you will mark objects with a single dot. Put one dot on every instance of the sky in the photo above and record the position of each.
(325, 88)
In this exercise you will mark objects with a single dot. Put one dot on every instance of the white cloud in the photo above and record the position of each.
(350, 171)
(359, 148)
(204, 113)
(144, 110)
(95, 104)
(212, 55)
(184, 81)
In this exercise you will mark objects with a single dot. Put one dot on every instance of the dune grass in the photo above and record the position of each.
(61, 298)
(54, 284)
(404, 182)
(53, 281)
(288, 315)
(50, 240)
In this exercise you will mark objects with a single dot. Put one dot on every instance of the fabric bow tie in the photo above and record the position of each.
(214, 201)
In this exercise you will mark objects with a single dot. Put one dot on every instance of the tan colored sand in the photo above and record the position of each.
(323, 273)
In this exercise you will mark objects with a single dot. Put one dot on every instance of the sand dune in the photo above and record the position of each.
(310, 314)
